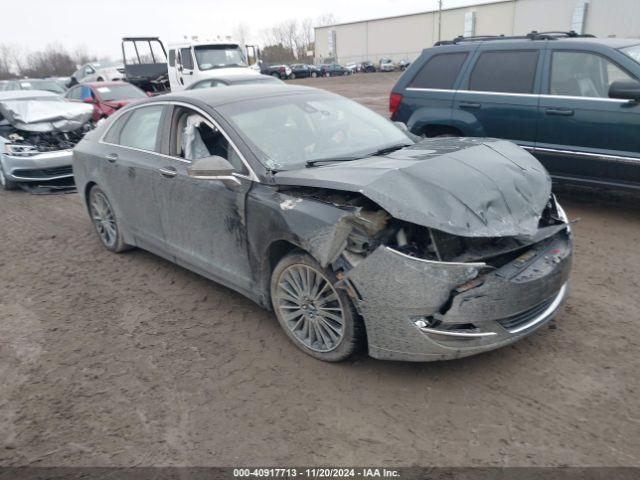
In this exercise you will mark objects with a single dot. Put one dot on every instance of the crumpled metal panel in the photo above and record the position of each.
(394, 287)
(44, 113)
(469, 187)
(508, 291)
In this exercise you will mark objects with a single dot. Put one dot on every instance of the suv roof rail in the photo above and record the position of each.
(533, 35)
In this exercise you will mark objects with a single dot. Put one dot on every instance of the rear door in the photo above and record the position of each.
(130, 151)
(499, 95)
(582, 132)
(428, 96)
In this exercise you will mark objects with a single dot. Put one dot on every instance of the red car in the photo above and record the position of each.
(106, 97)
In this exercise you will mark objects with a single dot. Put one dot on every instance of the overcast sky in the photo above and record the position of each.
(98, 25)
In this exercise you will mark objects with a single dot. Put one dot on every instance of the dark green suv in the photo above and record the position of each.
(571, 100)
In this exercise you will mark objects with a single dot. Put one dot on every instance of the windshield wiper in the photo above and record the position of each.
(381, 151)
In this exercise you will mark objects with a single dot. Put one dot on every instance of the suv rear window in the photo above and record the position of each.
(505, 71)
(440, 71)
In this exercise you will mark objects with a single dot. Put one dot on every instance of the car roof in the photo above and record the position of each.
(238, 78)
(517, 42)
(25, 94)
(106, 84)
(221, 96)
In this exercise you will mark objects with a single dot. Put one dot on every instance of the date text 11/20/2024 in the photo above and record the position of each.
(315, 473)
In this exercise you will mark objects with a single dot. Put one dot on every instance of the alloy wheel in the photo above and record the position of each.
(103, 219)
(310, 307)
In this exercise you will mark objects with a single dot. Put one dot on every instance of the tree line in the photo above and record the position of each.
(290, 41)
(52, 61)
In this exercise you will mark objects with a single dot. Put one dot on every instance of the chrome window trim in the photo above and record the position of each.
(525, 95)
(252, 175)
(575, 153)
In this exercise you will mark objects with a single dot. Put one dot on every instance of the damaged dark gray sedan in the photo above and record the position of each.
(332, 216)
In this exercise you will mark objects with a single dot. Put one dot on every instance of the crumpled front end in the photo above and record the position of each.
(421, 310)
(424, 294)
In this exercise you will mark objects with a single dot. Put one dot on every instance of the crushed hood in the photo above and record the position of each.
(469, 187)
(46, 114)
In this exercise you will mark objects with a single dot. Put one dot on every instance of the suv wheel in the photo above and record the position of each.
(275, 74)
(314, 74)
(104, 220)
(318, 317)
(5, 183)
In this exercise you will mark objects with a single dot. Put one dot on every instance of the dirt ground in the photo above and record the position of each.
(122, 360)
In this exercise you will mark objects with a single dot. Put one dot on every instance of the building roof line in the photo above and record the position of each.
(367, 20)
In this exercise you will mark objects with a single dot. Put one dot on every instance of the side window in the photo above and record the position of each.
(141, 128)
(74, 93)
(440, 71)
(505, 71)
(583, 74)
(186, 58)
(172, 58)
(194, 137)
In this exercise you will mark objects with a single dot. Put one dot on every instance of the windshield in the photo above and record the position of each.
(285, 132)
(120, 92)
(219, 56)
(633, 52)
(47, 85)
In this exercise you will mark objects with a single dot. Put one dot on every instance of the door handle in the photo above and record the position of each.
(168, 172)
(112, 157)
(469, 105)
(564, 112)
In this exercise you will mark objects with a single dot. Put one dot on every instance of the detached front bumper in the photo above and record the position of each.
(43, 167)
(421, 310)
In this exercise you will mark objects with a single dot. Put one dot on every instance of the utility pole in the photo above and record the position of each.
(439, 20)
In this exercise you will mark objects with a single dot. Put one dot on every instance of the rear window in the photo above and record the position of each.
(440, 71)
(505, 71)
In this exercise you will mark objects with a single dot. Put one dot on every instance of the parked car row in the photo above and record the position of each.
(302, 70)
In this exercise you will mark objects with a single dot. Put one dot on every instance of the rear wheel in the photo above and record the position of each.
(105, 222)
(314, 74)
(327, 74)
(292, 76)
(275, 74)
(5, 183)
(318, 317)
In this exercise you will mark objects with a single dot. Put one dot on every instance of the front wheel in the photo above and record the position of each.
(314, 74)
(5, 183)
(318, 317)
(292, 76)
(275, 74)
(104, 220)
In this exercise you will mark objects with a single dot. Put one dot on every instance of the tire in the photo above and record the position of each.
(327, 326)
(292, 76)
(99, 79)
(5, 183)
(275, 74)
(314, 74)
(104, 221)
(327, 74)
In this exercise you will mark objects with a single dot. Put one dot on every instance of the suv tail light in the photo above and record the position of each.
(394, 103)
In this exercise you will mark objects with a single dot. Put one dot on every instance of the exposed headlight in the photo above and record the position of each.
(562, 215)
(16, 150)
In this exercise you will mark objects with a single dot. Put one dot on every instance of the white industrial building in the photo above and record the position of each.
(404, 37)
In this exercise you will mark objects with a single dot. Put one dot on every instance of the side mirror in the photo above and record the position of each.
(625, 90)
(89, 100)
(212, 168)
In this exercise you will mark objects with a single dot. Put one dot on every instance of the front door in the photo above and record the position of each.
(582, 132)
(203, 220)
(498, 96)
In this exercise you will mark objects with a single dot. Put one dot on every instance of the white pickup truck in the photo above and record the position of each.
(192, 61)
